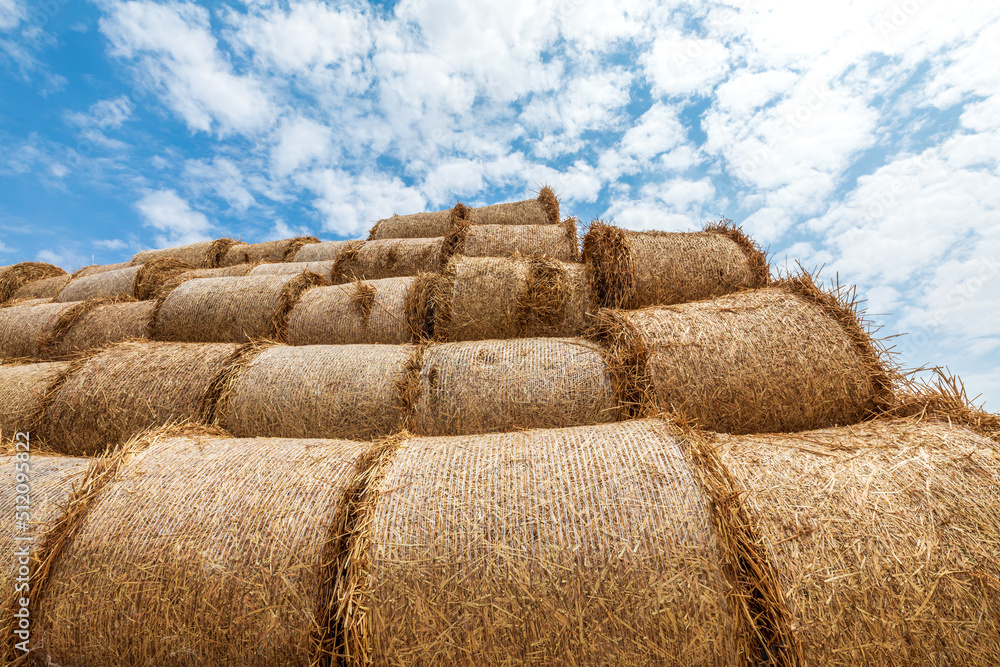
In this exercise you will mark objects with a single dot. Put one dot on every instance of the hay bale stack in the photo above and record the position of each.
(506, 385)
(490, 297)
(46, 288)
(323, 268)
(589, 545)
(234, 271)
(16, 276)
(420, 225)
(269, 251)
(27, 331)
(221, 544)
(391, 311)
(758, 361)
(115, 394)
(883, 539)
(319, 252)
(202, 255)
(106, 325)
(636, 269)
(231, 309)
(318, 391)
(99, 268)
(555, 241)
(140, 282)
(544, 210)
(391, 258)
(23, 388)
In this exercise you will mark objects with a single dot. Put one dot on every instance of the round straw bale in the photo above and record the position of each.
(391, 310)
(419, 225)
(884, 538)
(231, 309)
(541, 211)
(25, 302)
(99, 268)
(588, 545)
(106, 325)
(391, 258)
(234, 271)
(505, 385)
(16, 276)
(141, 282)
(269, 251)
(498, 297)
(202, 551)
(323, 268)
(202, 255)
(23, 388)
(757, 361)
(25, 330)
(555, 241)
(46, 288)
(313, 391)
(115, 394)
(319, 252)
(636, 269)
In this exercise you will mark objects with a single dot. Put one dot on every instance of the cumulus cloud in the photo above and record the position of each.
(174, 219)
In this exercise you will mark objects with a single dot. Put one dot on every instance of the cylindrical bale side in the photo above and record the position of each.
(126, 389)
(26, 302)
(202, 551)
(544, 210)
(391, 258)
(23, 388)
(15, 276)
(555, 241)
(99, 268)
(318, 391)
(268, 251)
(498, 297)
(117, 283)
(25, 329)
(588, 545)
(323, 268)
(636, 269)
(46, 288)
(426, 225)
(506, 385)
(390, 310)
(758, 361)
(231, 309)
(319, 252)
(202, 255)
(107, 325)
(885, 538)
(235, 271)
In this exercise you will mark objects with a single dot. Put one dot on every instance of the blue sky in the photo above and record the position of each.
(858, 136)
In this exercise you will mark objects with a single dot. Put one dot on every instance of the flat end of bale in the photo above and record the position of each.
(218, 250)
(419, 306)
(153, 274)
(550, 204)
(295, 244)
(760, 268)
(610, 269)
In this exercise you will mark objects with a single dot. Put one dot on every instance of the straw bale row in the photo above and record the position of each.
(15, 276)
(143, 281)
(46, 288)
(202, 255)
(269, 251)
(632, 543)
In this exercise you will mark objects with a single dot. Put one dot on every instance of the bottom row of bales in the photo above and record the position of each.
(628, 543)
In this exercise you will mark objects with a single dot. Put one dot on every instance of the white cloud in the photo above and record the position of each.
(679, 66)
(350, 204)
(106, 114)
(300, 142)
(178, 223)
(111, 244)
(11, 14)
(222, 177)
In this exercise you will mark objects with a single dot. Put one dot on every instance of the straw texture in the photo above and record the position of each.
(141, 282)
(885, 537)
(636, 269)
(16, 276)
(588, 545)
(26, 329)
(99, 268)
(323, 268)
(203, 255)
(46, 288)
(419, 225)
(555, 241)
(268, 251)
(319, 252)
(317, 391)
(235, 271)
(505, 385)
(115, 394)
(488, 297)
(220, 563)
(23, 388)
(231, 309)
(541, 211)
(391, 310)
(391, 258)
(107, 325)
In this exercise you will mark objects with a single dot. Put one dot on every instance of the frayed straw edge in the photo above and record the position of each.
(21, 274)
(214, 403)
(59, 331)
(610, 267)
(419, 306)
(760, 267)
(152, 275)
(941, 398)
(550, 204)
(442, 297)
(295, 244)
(290, 295)
(348, 254)
(626, 358)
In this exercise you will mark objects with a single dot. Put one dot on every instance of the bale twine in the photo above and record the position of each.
(390, 311)
(269, 251)
(110, 397)
(231, 309)
(541, 211)
(223, 545)
(16, 276)
(391, 258)
(555, 241)
(884, 539)
(46, 288)
(319, 252)
(98, 268)
(28, 331)
(23, 388)
(141, 282)
(107, 325)
(234, 271)
(420, 225)
(757, 361)
(202, 255)
(636, 269)
(323, 268)
(505, 385)
(588, 545)
(318, 391)
(492, 297)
